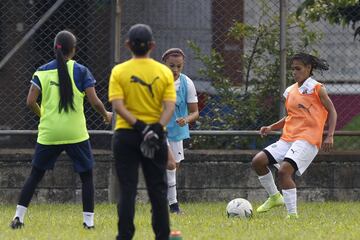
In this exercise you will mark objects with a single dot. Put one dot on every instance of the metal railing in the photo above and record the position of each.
(192, 132)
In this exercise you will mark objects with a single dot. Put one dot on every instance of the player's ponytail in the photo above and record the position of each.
(308, 59)
(64, 46)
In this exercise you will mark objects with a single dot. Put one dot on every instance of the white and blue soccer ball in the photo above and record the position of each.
(239, 207)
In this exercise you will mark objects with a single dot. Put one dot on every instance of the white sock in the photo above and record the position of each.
(171, 178)
(89, 218)
(267, 181)
(290, 200)
(20, 212)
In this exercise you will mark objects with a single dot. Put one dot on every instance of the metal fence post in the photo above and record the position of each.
(113, 193)
(283, 16)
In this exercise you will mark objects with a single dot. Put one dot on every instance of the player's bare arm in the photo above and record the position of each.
(31, 100)
(169, 107)
(192, 117)
(332, 117)
(273, 127)
(119, 106)
(97, 104)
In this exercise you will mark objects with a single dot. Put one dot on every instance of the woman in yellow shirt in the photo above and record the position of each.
(142, 92)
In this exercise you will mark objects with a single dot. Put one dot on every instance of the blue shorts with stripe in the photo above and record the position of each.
(80, 153)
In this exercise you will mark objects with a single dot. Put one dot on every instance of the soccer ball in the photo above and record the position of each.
(239, 207)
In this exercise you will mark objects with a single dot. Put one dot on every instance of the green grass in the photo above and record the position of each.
(331, 220)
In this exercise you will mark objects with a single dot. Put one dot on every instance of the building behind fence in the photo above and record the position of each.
(175, 23)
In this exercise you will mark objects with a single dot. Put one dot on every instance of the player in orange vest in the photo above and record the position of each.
(308, 107)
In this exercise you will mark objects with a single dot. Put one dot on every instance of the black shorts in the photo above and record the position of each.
(46, 155)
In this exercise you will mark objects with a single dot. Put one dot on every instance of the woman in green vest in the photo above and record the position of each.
(62, 84)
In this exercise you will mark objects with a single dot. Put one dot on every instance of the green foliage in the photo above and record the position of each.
(342, 12)
(256, 101)
(331, 220)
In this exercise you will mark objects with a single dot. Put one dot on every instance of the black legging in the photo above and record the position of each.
(29, 187)
(37, 174)
(87, 191)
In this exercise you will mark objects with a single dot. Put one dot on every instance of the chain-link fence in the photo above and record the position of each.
(91, 23)
(231, 46)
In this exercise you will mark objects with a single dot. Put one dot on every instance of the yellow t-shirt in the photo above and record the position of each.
(143, 84)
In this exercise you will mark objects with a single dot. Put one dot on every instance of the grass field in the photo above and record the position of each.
(203, 221)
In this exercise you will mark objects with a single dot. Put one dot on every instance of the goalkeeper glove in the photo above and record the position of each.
(152, 137)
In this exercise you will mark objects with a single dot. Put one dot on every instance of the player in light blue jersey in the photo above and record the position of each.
(186, 111)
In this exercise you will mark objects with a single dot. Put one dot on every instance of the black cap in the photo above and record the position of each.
(140, 33)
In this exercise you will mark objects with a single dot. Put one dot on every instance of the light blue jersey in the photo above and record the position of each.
(175, 132)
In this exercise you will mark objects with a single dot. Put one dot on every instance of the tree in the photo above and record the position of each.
(342, 12)
(256, 102)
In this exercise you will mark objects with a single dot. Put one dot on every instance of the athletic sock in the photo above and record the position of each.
(267, 181)
(290, 200)
(20, 212)
(171, 178)
(89, 218)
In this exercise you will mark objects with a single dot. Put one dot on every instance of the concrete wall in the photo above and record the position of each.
(206, 175)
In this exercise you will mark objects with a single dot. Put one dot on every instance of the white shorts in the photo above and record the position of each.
(300, 151)
(177, 150)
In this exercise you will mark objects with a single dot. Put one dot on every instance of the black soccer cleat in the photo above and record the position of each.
(174, 208)
(16, 224)
(88, 227)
